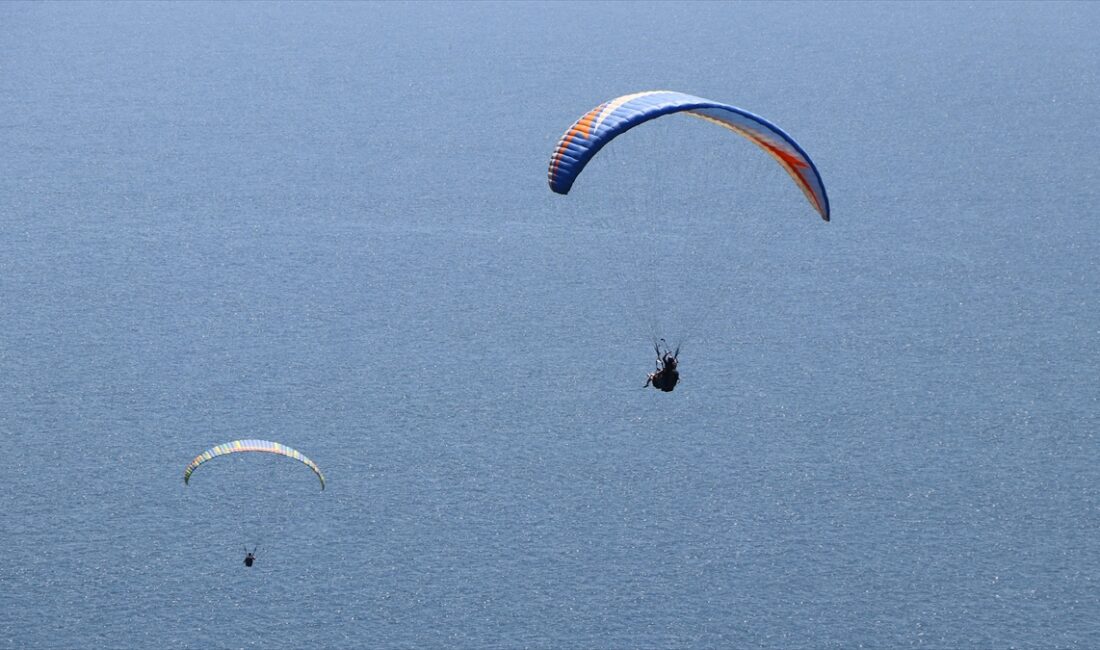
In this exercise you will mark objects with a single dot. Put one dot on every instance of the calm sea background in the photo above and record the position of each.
(329, 225)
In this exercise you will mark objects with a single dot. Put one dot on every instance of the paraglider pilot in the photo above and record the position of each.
(666, 375)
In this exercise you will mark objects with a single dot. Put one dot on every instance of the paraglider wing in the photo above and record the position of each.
(602, 124)
(265, 446)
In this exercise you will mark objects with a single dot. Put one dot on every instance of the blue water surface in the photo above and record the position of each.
(329, 225)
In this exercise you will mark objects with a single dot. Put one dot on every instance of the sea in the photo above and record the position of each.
(328, 225)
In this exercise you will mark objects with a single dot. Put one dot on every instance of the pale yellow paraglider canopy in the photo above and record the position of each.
(265, 446)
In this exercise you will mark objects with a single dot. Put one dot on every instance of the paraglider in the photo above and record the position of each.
(238, 446)
(667, 374)
(599, 126)
(241, 446)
